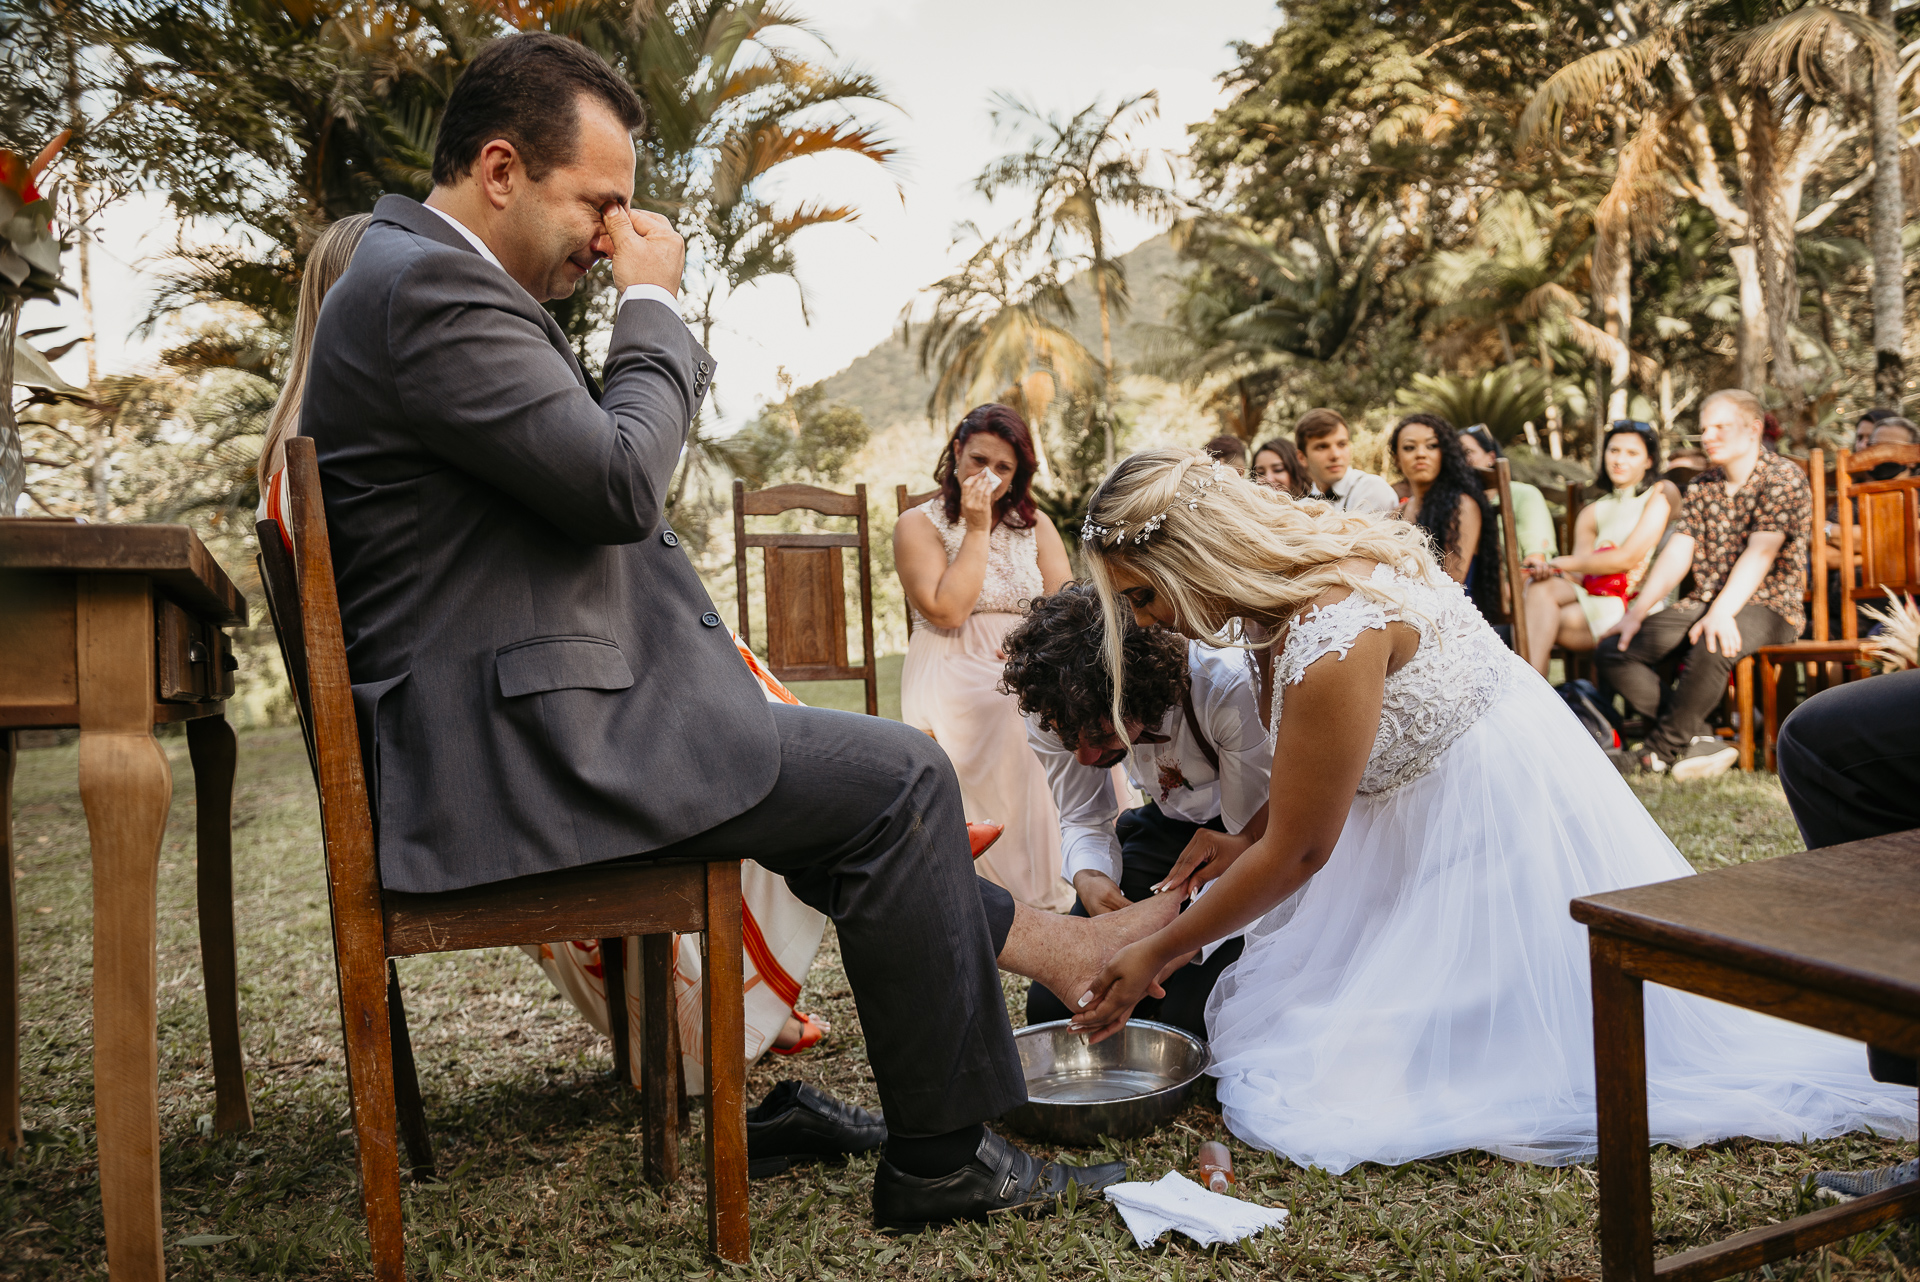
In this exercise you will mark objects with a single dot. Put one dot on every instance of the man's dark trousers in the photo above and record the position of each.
(1150, 845)
(1850, 764)
(866, 824)
(1681, 715)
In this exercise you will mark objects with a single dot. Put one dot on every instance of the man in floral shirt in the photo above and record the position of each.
(1743, 532)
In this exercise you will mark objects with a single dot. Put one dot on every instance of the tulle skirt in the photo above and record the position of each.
(949, 687)
(1427, 991)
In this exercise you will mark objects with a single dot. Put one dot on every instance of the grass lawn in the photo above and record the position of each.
(539, 1154)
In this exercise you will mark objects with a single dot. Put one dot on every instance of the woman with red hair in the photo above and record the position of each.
(970, 558)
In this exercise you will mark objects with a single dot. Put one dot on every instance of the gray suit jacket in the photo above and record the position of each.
(540, 677)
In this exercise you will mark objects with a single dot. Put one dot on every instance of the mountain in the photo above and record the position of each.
(887, 386)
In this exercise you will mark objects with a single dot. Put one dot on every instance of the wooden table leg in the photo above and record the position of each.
(1620, 1087)
(126, 787)
(210, 744)
(10, 1131)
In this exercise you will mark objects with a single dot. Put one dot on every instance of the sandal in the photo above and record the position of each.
(810, 1034)
(982, 835)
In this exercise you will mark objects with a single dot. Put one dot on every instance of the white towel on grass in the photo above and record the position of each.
(1176, 1202)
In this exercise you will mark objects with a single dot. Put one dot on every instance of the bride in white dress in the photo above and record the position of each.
(1412, 983)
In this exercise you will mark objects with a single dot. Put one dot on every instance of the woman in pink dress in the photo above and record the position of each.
(970, 559)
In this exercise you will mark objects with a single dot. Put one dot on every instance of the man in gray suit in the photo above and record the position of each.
(542, 681)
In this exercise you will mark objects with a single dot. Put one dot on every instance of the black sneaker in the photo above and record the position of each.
(999, 1178)
(1706, 756)
(1844, 1186)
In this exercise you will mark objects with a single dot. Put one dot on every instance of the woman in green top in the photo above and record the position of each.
(1575, 600)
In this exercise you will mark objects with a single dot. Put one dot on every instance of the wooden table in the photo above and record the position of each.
(1826, 938)
(113, 628)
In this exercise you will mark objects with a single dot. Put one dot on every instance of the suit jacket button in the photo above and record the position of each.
(671, 539)
(711, 619)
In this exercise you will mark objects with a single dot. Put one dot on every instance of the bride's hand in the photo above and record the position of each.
(1129, 975)
(1207, 855)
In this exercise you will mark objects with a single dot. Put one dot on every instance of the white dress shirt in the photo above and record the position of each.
(1359, 491)
(1175, 774)
(633, 294)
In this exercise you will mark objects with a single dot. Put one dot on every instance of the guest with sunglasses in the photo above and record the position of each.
(1574, 600)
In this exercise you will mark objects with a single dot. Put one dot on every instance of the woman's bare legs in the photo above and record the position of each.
(1554, 617)
(1065, 953)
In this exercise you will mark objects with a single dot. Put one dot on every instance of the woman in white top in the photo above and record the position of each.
(1412, 984)
(970, 559)
(1575, 600)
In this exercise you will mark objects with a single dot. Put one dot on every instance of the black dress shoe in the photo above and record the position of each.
(999, 1178)
(797, 1123)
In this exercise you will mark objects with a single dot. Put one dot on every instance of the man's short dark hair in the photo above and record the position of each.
(526, 89)
(1057, 668)
(1315, 424)
(1229, 449)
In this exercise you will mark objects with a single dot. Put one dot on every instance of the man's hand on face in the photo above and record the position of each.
(1098, 893)
(644, 249)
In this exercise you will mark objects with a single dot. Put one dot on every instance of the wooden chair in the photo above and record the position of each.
(371, 925)
(1500, 479)
(905, 503)
(1879, 551)
(806, 602)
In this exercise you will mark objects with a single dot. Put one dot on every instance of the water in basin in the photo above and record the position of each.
(1093, 1087)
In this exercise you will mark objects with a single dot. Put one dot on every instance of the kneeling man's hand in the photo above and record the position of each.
(646, 249)
(1098, 893)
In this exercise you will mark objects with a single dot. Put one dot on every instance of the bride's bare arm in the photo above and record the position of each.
(1327, 727)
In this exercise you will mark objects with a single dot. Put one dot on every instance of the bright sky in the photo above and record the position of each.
(940, 62)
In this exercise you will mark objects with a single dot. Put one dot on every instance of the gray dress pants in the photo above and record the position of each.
(866, 824)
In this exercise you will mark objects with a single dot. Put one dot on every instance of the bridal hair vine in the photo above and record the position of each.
(1196, 485)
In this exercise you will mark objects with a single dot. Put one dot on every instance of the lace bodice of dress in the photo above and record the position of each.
(1459, 670)
(1013, 563)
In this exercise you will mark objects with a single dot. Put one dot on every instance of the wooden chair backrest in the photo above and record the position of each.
(806, 597)
(1499, 479)
(903, 504)
(1879, 529)
(282, 590)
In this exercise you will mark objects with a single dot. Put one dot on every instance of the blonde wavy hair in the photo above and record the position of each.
(326, 263)
(1227, 548)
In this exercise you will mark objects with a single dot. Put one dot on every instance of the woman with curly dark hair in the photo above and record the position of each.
(970, 559)
(1193, 744)
(1448, 504)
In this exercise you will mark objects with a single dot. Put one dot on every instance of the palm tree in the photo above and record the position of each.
(1889, 295)
(998, 334)
(1078, 168)
(1675, 87)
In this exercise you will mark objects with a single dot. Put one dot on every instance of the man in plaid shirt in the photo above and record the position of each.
(1742, 531)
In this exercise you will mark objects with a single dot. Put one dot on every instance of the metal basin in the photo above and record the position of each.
(1123, 1087)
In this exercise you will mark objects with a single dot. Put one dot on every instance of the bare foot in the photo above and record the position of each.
(1065, 953)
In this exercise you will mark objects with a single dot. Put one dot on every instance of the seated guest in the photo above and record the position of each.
(1850, 766)
(1448, 504)
(1863, 429)
(1743, 531)
(1572, 601)
(1326, 448)
(1229, 449)
(1892, 430)
(970, 558)
(541, 679)
(1199, 753)
(1277, 465)
(1532, 521)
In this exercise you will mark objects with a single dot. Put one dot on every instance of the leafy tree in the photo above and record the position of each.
(1080, 168)
(802, 435)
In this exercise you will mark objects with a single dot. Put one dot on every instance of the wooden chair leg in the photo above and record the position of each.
(1743, 701)
(726, 1062)
(1769, 706)
(10, 1127)
(368, 1031)
(210, 745)
(412, 1111)
(613, 973)
(1620, 1082)
(659, 1061)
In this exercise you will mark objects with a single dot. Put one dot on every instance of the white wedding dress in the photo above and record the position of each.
(1427, 991)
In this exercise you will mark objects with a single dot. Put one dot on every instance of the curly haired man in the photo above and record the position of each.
(1194, 745)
